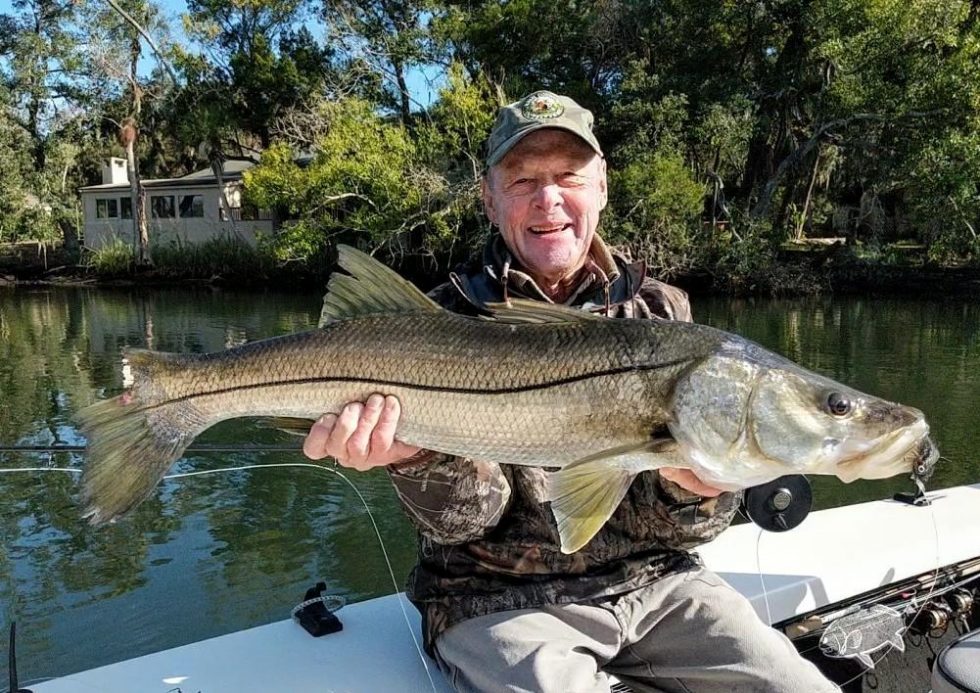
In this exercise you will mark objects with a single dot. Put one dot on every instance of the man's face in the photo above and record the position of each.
(545, 197)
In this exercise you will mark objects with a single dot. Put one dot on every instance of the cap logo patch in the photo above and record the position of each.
(541, 107)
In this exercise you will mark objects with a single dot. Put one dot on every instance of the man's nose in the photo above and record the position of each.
(548, 196)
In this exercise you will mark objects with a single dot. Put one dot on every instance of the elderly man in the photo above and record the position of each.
(503, 608)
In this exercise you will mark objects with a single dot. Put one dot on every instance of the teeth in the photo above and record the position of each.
(541, 229)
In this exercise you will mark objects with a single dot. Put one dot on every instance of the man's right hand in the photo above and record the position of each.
(361, 437)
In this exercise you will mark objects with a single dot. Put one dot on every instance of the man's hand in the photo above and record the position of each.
(688, 481)
(362, 437)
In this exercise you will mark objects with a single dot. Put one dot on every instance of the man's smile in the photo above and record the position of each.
(548, 229)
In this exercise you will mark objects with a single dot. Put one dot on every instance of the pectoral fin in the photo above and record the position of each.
(585, 494)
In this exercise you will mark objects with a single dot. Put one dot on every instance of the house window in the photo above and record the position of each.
(126, 208)
(191, 206)
(244, 212)
(162, 206)
(106, 209)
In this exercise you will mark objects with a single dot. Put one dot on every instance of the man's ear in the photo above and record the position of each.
(603, 185)
(487, 196)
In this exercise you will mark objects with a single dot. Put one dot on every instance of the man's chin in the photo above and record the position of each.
(558, 260)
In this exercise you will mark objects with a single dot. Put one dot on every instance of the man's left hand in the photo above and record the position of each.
(688, 481)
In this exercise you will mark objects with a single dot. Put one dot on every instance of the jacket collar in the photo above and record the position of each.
(606, 278)
(499, 265)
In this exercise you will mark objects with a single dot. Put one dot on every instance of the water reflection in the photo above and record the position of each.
(205, 555)
(212, 554)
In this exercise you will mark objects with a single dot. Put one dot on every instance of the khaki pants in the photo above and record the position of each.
(686, 632)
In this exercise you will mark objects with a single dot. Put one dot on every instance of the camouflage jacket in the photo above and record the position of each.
(488, 541)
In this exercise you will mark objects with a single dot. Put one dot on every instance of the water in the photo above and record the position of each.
(214, 554)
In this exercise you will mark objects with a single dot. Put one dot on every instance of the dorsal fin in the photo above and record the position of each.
(369, 288)
(523, 311)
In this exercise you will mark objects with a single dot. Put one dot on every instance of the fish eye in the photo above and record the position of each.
(838, 404)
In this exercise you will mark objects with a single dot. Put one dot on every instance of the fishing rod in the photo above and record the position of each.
(12, 662)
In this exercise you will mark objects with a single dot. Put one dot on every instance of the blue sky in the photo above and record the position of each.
(422, 82)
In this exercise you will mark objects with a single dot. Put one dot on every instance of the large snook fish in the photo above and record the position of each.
(537, 384)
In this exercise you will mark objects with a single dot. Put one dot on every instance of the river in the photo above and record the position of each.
(212, 554)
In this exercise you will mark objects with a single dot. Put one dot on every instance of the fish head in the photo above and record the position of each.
(813, 425)
(745, 416)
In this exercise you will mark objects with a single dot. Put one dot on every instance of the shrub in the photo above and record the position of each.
(111, 260)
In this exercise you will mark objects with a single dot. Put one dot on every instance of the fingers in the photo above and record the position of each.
(361, 437)
(383, 430)
(383, 439)
(315, 444)
(689, 481)
(360, 443)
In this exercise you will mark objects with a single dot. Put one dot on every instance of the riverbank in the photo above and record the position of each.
(795, 270)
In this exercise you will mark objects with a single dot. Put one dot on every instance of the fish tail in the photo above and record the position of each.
(133, 439)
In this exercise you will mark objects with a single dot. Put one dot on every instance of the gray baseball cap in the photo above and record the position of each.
(537, 111)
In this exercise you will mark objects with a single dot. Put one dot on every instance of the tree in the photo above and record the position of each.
(42, 71)
(390, 36)
(259, 65)
(46, 95)
(118, 32)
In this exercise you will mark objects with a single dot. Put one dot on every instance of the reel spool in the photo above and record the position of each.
(779, 505)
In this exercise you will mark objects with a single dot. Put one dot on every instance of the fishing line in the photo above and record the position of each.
(762, 578)
(904, 604)
(250, 467)
(198, 447)
(924, 601)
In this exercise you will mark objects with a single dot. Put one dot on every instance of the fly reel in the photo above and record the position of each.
(779, 505)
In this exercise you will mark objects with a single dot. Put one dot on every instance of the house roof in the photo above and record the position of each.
(231, 171)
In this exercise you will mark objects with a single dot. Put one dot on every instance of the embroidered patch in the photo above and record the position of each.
(541, 107)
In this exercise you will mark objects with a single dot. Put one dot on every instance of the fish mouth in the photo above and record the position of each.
(910, 450)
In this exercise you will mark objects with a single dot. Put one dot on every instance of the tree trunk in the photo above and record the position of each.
(137, 196)
(216, 158)
(801, 226)
(138, 202)
(404, 103)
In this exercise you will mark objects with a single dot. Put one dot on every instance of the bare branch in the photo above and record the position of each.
(146, 37)
(761, 208)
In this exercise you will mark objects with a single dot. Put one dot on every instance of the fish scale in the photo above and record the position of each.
(450, 401)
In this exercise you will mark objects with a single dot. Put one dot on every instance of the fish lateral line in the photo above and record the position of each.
(633, 368)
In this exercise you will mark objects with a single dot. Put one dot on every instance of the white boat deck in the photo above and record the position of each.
(833, 555)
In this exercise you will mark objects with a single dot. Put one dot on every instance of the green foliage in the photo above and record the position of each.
(655, 207)
(778, 121)
(746, 261)
(360, 184)
(369, 182)
(223, 257)
(113, 259)
(460, 120)
(947, 208)
(389, 36)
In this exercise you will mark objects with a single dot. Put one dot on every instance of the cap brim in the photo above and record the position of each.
(509, 143)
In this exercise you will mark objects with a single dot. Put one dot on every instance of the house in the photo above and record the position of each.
(178, 210)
